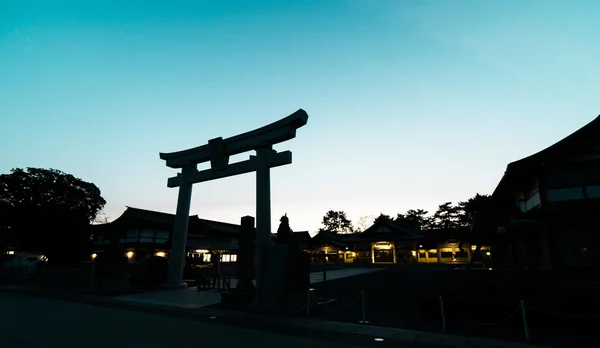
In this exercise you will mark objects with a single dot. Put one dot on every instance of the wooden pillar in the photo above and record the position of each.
(263, 209)
(177, 254)
(372, 254)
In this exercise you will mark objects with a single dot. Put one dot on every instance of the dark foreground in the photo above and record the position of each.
(42, 323)
(408, 297)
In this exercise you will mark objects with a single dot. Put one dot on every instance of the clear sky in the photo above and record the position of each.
(411, 103)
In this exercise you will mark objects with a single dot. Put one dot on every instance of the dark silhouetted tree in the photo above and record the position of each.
(471, 206)
(336, 222)
(382, 217)
(418, 216)
(446, 216)
(46, 210)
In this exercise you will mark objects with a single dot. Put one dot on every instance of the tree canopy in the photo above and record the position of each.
(336, 222)
(46, 209)
(472, 206)
(447, 216)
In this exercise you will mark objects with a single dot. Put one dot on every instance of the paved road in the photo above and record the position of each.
(27, 322)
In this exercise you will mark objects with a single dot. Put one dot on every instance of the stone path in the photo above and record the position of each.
(191, 298)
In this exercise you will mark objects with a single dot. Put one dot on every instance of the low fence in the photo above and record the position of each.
(517, 318)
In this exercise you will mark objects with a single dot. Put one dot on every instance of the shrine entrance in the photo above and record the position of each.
(218, 152)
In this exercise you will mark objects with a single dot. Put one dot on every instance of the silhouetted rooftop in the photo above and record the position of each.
(517, 171)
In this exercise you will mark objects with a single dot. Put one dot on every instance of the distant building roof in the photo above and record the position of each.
(167, 221)
(385, 230)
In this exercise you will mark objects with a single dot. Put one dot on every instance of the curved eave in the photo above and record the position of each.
(517, 170)
(587, 133)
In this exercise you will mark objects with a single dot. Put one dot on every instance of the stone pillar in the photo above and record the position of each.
(179, 238)
(245, 261)
(394, 253)
(469, 253)
(263, 208)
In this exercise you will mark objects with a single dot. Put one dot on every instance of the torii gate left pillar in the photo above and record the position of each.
(179, 239)
(218, 151)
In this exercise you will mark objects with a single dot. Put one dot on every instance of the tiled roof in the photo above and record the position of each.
(386, 230)
(167, 220)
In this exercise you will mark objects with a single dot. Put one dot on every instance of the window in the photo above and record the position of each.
(132, 236)
(162, 237)
(146, 235)
(228, 258)
(565, 194)
(593, 191)
(205, 257)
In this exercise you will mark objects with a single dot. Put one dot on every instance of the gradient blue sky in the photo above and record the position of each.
(411, 103)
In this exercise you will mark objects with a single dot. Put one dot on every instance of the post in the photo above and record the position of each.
(326, 293)
(525, 327)
(443, 314)
(263, 209)
(308, 303)
(364, 308)
(182, 216)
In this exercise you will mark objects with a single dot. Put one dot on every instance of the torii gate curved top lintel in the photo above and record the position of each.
(274, 133)
(218, 152)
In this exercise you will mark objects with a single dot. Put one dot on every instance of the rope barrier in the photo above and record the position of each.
(569, 315)
(345, 306)
(494, 323)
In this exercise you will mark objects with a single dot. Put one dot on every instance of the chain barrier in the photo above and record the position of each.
(569, 315)
(344, 306)
(494, 323)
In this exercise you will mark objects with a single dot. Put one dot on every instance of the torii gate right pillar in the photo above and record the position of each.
(263, 209)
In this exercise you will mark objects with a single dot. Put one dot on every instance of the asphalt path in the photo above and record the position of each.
(44, 323)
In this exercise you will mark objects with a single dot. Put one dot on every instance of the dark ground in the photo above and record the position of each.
(28, 322)
(407, 296)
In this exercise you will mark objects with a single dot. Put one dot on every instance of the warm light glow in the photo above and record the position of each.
(473, 247)
(414, 253)
(10, 252)
(201, 251)
(94, 255)
(433, 251)
(382, 245)
(420, 246)
(160, 253)
(488, 253)
(129, 254)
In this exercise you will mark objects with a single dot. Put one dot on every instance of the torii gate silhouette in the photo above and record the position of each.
(218, 151)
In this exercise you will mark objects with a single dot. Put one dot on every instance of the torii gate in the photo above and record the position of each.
(218, 151)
